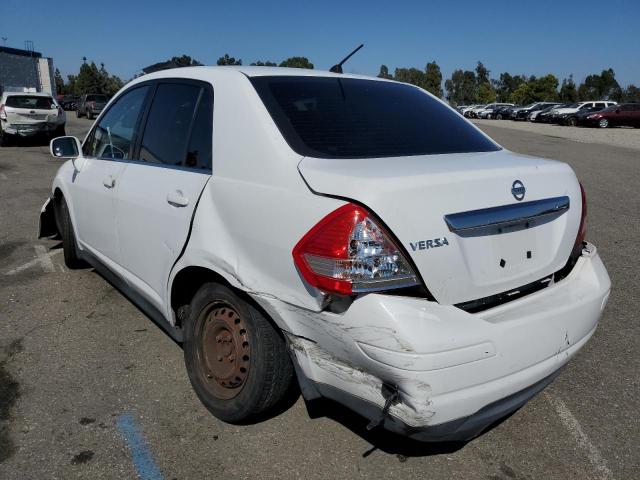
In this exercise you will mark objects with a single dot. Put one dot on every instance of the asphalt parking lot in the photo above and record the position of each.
(90, 388)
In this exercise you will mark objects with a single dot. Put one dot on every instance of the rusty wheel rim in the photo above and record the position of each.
(224, 352)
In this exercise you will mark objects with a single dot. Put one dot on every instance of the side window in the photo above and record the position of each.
(112, 137)
(600, 105)
(167, 130)
(199, 151)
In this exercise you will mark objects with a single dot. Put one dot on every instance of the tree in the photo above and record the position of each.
(482, 74)
(631, 94)
(568, 90)
(433, 79)
(227, 60)
(522, 94)
(600, 87)
(544, 88)
(260, 63)
(411, 75)
(297, 62)
(486, 93)
(384, 72)
(506, 85)
(185, 61)
(461, 87)
(59, 81)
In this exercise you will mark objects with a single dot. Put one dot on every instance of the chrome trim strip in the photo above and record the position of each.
(506, 215)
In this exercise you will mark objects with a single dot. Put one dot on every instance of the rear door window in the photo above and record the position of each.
(29, 102)
(167, 130)
(199, 151)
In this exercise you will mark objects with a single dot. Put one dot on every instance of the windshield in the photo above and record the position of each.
(97, 98)
(330, 117)
(31, 102)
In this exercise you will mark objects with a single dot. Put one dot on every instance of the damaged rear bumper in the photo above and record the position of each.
(455, 372)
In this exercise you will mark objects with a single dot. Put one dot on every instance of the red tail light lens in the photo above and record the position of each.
(348, 252)
(582, 230)
(3, 114)
(59, 110)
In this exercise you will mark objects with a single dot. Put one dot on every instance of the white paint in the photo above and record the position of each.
(43, 258)
(572, 424)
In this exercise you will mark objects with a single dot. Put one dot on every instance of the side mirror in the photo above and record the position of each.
(65, 147)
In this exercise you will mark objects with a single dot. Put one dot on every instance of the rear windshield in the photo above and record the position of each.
(25, 101)
(329, 117)
(97, 98)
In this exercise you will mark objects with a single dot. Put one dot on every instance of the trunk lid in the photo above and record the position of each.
(28, 110)
(413, 195)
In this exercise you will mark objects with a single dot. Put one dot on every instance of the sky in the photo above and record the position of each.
(576, 37)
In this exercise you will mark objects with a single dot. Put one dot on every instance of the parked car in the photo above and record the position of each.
(503, 113)
(544, 115)
(623, 115)
(489, 109)
(572, 119)
(524, 112)
(467, 112)
(29, 114)
(473, 113)
(576, 107)
(534, 114)
(91, 105)
(354, 234)
(461, 108)
(69, 102)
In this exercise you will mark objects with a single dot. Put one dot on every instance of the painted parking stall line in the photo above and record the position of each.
(572, 424)
(141, 456)
(43, 258)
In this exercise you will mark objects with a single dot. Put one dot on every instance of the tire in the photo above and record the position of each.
(65, 228)
(572, 121)
(77, 113)
(89, 115)
(59, 132)
(499, 116)
(237, 362)
(5, 140)
(603, 122)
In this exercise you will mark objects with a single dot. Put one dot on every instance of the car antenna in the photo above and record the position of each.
(338, 67)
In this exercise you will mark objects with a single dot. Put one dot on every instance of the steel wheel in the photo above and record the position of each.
(603, 123)
(224, 352)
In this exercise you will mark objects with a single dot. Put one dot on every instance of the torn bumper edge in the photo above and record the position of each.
(47, 224)
(456, 372)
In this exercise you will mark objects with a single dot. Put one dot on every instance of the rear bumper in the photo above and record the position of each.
(28, 130)
(455, 372)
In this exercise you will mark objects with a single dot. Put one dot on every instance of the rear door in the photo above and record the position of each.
(160, 190)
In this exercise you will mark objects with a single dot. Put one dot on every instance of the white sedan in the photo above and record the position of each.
(353, 234)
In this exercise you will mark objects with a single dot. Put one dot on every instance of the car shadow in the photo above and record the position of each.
(384, 440)
(34, 141)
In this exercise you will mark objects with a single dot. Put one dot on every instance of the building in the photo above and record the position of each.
(25, 70)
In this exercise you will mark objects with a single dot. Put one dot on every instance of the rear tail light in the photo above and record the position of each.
(3, 114)
(582, 230)
(349, 252)
(59, 110)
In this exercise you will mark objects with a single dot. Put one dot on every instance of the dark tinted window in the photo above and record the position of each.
(97, 98)
(113, 135)
(34, 103)
(351, 118)
(167, 130)
(199, 151)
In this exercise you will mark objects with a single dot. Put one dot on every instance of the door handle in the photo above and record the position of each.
(109, 181)
(177, 199)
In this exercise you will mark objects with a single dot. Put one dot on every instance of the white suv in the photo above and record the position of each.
(353, 233)
(29, 114)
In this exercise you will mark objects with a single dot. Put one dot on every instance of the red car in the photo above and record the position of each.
(626, 114)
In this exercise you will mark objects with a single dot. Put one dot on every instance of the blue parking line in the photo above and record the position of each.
(143, 462)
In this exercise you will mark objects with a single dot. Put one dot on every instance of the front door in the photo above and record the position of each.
(96, 182)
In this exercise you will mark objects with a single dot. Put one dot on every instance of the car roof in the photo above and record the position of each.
(251, 71)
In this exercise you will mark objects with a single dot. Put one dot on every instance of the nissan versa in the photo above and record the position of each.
(353, 234)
